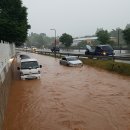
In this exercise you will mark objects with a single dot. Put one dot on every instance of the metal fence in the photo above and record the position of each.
(7, 51)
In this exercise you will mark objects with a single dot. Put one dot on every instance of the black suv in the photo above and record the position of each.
(55, 49)
(100, 50)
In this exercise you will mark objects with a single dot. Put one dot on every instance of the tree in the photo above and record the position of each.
(13, 21)
(126, 35)
(118, 35)
(127, 26)
(66, 40)
(39, 40)
(103, 36)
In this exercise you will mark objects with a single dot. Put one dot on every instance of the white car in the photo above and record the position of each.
(71, 61)
(29, 69)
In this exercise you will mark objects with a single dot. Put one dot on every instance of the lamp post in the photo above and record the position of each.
(55, 42)
(119, 47)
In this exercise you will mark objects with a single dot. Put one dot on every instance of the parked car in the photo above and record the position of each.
(99, 50)
(55, 49)
(70, 61)
(29, 69)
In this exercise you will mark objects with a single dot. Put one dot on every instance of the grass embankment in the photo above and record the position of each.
(110, 65)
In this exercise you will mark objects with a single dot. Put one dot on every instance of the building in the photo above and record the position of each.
(89, 40)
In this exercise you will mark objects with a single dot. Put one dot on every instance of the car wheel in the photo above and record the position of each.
(68, 64)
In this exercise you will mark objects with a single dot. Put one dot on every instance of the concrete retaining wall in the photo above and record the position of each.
(7, 53)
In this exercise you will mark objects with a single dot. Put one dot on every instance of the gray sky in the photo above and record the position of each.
(76, 17)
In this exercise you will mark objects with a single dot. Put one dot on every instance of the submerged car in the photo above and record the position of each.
(29, 69)
(99, 50)
(71, 61)
(23, 56)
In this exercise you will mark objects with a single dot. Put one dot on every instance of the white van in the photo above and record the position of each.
(29, 69)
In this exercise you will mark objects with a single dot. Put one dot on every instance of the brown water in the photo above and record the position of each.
(69, 98)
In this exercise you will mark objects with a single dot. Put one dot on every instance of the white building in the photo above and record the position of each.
(87, 39)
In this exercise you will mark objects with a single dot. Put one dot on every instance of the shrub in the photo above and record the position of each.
(110, 65)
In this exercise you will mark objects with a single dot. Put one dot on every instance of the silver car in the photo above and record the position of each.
(71, 61)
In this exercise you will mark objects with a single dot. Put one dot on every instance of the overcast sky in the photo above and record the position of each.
(76, 17)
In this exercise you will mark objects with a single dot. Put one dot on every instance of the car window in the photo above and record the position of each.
(63, 58)
(29, 64)
(72, 58)
(107, 48)
(98, 49)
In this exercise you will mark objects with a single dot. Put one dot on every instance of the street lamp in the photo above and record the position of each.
(118, 33)
(55, 41)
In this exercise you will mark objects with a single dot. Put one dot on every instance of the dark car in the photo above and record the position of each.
(55, 49)
(22, 56)
(99, 50)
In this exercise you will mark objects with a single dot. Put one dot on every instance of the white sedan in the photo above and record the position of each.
(71, 61)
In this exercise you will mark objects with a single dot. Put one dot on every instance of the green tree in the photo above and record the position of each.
(126, 35)
(103, 36)
(13, 21)
(39, 40)
(127, 26)
(66, 40)
(117, 34)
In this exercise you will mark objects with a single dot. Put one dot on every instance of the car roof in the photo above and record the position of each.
(31, 59)
(69, 57)
(103, 45)
(23, 56)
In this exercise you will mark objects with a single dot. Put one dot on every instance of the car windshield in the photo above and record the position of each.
(29, 65)
(72, 58)
(107, 48)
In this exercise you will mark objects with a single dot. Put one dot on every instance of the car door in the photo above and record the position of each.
(98, 50)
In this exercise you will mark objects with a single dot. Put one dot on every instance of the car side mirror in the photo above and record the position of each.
(40, 66)
(18, 68)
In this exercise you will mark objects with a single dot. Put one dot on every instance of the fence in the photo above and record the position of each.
(7, 51)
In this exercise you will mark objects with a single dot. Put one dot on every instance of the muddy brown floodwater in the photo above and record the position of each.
(69, 98)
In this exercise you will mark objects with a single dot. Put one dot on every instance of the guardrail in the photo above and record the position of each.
(85, 56)
(60, 54)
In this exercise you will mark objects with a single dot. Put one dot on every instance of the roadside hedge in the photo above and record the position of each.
(110, 65)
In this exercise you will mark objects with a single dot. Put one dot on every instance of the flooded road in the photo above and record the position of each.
(69, 98)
